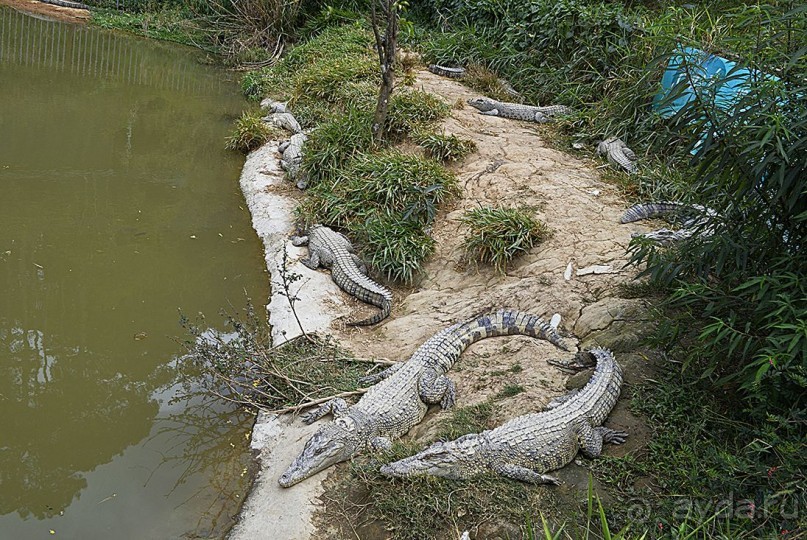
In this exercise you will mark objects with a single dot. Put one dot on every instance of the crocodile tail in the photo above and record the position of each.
(386, 307)
(641, 211)
(510, 322)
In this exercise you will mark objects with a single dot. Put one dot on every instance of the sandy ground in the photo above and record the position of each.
(512, 167)
(49, 11)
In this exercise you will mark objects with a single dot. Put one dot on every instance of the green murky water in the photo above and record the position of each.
(118, 206)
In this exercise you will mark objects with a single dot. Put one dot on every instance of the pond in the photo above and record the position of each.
(120, 208)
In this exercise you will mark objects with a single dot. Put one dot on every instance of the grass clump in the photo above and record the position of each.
(444, 147)
(487, 82)
(497, 235)
(412, 109)
(385, 201)
(510, 390)
(250, 132)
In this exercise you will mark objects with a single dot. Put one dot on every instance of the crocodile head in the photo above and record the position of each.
(482, 103)
(331, 444)
(455, 460)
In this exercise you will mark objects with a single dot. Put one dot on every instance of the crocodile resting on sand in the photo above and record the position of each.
(331, 249)
(529, 113)
(528, 446)
(403, 392)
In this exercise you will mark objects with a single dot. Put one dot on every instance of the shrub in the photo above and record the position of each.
(396, 247)
(444, 147)
(249, 133)
(497, 235)
(412, 109)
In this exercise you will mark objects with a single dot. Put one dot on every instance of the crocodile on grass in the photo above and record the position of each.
(402, 393)
(618, 154)
(292, 156)
(698, 216)
(528, 446)
(529, 113)
(331, 249)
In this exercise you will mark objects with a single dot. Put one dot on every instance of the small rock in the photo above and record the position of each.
(567, 275)
(554, 322)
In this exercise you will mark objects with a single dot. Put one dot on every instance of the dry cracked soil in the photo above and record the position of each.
(513, 166)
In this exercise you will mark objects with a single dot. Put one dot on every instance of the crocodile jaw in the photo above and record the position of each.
(483, 104)
(448, 460)
(330, 445)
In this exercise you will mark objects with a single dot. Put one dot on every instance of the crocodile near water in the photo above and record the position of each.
(529, 113)
(528, 446)
(333, 250)
(403, 392)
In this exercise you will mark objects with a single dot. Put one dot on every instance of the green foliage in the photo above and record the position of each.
(497, 235)
(167, 24)
(250, 132)
(385, 200)
(413, 109)
(396, 247)
(333, 143)
(510, 390)
(444, 147)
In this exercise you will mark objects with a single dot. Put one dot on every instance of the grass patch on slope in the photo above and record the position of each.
(497, 235)
(382, 198)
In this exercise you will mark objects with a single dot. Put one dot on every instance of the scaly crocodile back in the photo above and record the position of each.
(648, 210)
(517, 111)
(335, 251)
(394, 402)
(450, 72)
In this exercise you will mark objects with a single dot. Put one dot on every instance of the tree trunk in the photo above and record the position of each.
(385, 46)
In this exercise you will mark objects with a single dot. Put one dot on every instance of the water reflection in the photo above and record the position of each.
(119, 206)
(92, 54)
(40, 464)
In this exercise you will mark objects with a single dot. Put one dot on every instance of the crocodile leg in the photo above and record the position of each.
(336, 406)
(312, 261)
(592, 439)
(523, 474)
(492, 112)
(380, 443)
(299, 240)
(436, 388)
(381, 375)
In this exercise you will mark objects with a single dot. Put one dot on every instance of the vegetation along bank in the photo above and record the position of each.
(725, 403)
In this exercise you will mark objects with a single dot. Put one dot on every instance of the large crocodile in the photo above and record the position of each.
(403, 392)
(695, 220)
(618, 153)
(331, 249)
(529, 113)
(291, 158)
(528, 446)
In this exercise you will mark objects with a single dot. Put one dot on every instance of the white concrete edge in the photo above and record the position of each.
(271, 512)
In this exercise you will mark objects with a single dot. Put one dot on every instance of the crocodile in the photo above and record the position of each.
(66, 3)
(272, 106)
(618, 153)
(292, 156)
(450, 72)
(401, 394)
(331, 249)
(528, 446)
(283, 120)
(530, 113)
(699, 216)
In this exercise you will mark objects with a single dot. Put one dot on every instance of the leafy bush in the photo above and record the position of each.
(249, 133)
(412, 109)
(385, 200)
(444, 147)
(497, 235)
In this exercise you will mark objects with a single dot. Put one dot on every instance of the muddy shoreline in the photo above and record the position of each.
(49, 11)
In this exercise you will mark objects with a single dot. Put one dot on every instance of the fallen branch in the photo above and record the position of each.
(319, 401)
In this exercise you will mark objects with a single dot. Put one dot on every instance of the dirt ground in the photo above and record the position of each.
(514, 166)
(50, 11)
